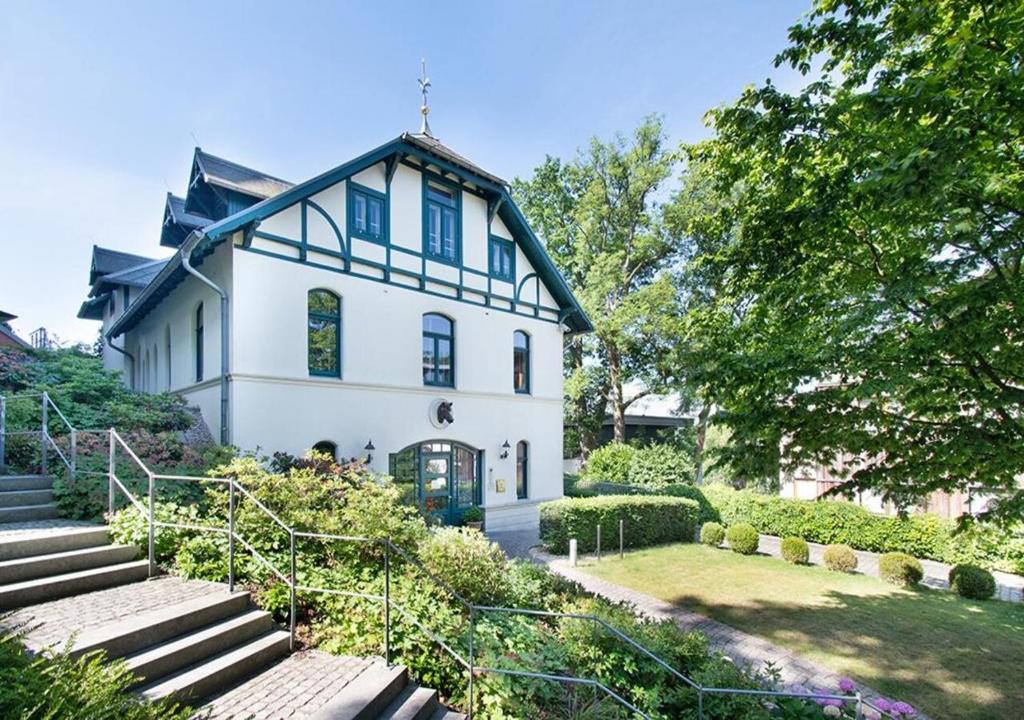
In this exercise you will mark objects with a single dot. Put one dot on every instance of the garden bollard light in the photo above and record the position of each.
(622, 545)
(572, 552)
(599, 542)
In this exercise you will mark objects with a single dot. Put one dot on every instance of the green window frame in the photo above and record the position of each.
(367, 212)
(522, 470)
(323, 333)
(438, 350)
(501, 259)
(521, 362)
(442, 222)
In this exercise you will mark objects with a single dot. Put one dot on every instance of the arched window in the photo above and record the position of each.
(438, 350)
(324, 352)
(521, 362)
(145, 373)
(167, 354)
(522, 470)
(199, 343)
(327, 447)
(155, 387)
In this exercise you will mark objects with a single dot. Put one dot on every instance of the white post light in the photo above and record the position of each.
(572, 552)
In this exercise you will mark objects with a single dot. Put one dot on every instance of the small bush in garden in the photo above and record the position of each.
(648, 520)
(609, 463)
(658, 465)
(971, 581)
(471, 564)
(712, 534)
(840, 558)
(743, 539)
(795, 550)
(707, 510)
(900, 569)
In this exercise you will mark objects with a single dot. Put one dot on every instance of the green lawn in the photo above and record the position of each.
(950, 657)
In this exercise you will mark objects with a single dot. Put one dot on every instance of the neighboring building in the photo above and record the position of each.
(397, 306)
(8, 338)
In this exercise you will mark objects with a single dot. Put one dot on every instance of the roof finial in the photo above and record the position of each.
(424, 82)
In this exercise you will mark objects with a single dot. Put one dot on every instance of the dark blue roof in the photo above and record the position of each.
(106, 261)
(178, 222)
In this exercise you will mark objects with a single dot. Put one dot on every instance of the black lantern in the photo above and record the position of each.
(369, 448)
(504, 450)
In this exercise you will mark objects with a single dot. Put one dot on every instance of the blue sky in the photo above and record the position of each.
(100, 102)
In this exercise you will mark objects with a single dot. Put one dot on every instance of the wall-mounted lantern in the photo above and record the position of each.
(369, 448)
(504, 450)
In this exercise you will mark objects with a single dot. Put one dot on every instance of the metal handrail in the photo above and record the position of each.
(390, 548)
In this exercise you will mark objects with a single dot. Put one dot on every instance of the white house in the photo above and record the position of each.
(397, 306)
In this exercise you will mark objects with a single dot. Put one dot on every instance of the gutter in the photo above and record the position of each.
(112, 346)
(185, 251)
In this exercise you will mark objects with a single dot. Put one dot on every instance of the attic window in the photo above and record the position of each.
(441, 220)
(366, 214)
(502, 261)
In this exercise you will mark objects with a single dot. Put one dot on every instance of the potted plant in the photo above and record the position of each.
(473, 518)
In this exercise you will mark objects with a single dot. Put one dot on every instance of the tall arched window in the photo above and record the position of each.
(522, 470)
(327, 448)
(324, 352)
(199, 343)
(521, 362)
(438, 350)
(155, 386)
(167, 354)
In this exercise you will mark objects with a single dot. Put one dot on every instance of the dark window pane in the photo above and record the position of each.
(376, 210)
(359, 211)
(428, 360)
(522, 468)
(323, 302)
(324, 333)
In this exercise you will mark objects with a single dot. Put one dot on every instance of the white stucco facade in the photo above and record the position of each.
(275, 402)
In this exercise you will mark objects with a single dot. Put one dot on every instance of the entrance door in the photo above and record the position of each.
(436, 476)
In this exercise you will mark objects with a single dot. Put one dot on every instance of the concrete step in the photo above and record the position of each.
(413, 703)
(46, 511)
(160, 660)
(71, 538)
(39, 590)
(20, 498)
(25, 482)
(156, 626)
(219, 672)
(61, 563)
(443, 713)
(366, 697)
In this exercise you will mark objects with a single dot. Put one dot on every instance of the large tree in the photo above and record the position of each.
(871, 233)
(600, 216)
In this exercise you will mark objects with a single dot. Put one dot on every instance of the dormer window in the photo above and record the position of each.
(441, 220)
(366, 218)
(502, 259)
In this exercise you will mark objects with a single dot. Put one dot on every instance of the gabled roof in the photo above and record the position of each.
(8, 332)
(428, 150)
(232, 176)
(178, 222)
(138, 276)
(106, 261)
(6, 316)
(92, 308)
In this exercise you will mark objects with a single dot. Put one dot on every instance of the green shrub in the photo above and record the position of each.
(658, 465)
(707, 510)
(471, 564)
(900, 569)
(795, 550)
(609, 463)
(840, 558)
(743, 538)
(649, 520)
(971, 581)
(832, 522)
(712, 534)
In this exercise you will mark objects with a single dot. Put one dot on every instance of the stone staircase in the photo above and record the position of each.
(187, 649)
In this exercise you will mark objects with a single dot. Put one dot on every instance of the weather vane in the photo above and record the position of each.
(424, 82)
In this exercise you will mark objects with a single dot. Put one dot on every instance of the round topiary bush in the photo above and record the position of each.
(743, 538)
(712, 534)
(795, 550)
(900, 569)
(840, 558)
(971, 581)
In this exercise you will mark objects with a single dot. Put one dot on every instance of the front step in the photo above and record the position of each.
(29, 568)
(221, 671)
(47, 511)
(71, 538)
(413, 703)
(173, 655)
(50, 588)
(25, 482)
(366, 697)
(20, 498)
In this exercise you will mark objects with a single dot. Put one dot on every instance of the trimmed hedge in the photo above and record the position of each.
(712, 534)
(649, 520)
(743, 539)
(840, 558)
(831, 522)
(900, 569)
(795, 550)
(971, 581)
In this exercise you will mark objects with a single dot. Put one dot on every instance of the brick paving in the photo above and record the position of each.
(53, 623)
(295, 687)
(1009, 588)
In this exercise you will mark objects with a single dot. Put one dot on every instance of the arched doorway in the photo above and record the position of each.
(441, 477)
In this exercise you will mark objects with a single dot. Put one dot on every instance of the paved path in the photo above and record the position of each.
(295, 687)
(936, 575)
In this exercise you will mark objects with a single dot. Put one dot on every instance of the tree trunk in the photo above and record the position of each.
(618, 402)
(698, 450)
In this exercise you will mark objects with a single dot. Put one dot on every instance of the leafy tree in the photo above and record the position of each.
(870, 232)
(601, 219)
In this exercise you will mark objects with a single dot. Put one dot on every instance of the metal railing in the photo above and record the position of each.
(390, 550)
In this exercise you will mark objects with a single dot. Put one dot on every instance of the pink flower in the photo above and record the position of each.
(883, 705)
(904, 709)
(847, 685)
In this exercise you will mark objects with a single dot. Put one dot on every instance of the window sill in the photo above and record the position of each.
(367, 237)
(427, 255)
